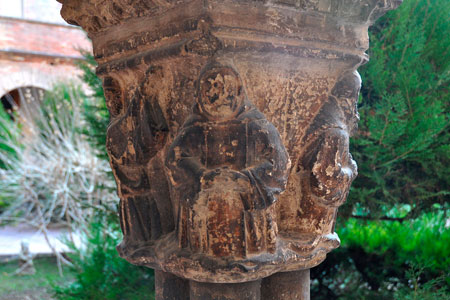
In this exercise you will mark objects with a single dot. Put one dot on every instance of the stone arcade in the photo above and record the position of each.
(229, 135)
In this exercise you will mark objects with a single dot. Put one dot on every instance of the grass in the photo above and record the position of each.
(21, 287)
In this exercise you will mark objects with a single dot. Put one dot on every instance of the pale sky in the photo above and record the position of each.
(38, 10)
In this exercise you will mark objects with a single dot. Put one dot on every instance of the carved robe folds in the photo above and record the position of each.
(227, 167)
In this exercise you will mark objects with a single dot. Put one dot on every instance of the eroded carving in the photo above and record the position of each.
(227, 166)
(331, 166)
(134, 139)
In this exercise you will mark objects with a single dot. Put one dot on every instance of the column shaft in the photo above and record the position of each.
(286, 286)
(225, 291)
(170, 287)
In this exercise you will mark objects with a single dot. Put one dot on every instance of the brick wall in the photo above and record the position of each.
(26, 36)
(33, 53)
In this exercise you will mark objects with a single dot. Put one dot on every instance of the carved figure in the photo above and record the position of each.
(133, 141)
(329, 160)
(227, 165)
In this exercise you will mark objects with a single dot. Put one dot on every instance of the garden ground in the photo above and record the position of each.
(31, 287)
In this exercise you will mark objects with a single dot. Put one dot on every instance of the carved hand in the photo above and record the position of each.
(334, 169)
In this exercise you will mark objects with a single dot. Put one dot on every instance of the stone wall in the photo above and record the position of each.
(34, 53)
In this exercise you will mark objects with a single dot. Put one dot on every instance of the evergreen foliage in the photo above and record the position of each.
(403, 145)
(387, 260)
(403, 153)
(94, 107)
(9, 138)
(9, 143)
(100, 273)
(422, 241)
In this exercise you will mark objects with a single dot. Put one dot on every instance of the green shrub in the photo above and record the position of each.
(424, 240)
(99, 271)
(403, 153)
(9, 147)
(430, 290)
(9, 139)
(95, 112)
(403, 145)
(387, 260)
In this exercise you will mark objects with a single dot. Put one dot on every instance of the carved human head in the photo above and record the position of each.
(346, 92)
(220, 93)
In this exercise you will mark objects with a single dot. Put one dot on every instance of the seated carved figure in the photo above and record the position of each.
(227, 165)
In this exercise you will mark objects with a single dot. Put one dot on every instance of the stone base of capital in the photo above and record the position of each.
(291, 254)
(293, 285)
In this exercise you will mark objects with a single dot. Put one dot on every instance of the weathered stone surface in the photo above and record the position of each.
(227, 291)
(230, 126)
(170, 287)
(293, 285)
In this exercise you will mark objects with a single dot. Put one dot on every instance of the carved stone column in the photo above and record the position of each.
(230, 125)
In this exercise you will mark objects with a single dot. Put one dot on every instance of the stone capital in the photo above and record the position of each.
(230, 126)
